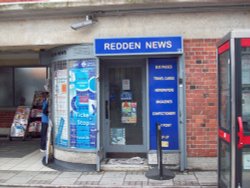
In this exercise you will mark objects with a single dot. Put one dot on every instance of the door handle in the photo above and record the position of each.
(240, 133)
(106, 109)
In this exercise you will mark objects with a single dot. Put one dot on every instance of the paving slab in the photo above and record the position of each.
(112, 181)
(114, 175)
(7, 175)
(70, 175)
(90, 177)
(136, 178)
(18, 180)
(160, 182)
(64, 181)
(44, 176)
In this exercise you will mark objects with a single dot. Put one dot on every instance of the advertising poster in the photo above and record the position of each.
(129, 112)
(126, 96)
(118, 136)
(163, 102)
(82, 88)
(246, 160)
(61, 101)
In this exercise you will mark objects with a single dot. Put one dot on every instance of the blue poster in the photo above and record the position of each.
(59, 138)
(163, 101)
(82, 88)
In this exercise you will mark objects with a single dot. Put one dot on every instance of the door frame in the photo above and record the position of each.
(234, 46)
(239, 112)
(105, 64)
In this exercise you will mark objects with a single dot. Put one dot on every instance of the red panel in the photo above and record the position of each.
(245, 42)
(224, 47)
(243, 140)
(224, 135)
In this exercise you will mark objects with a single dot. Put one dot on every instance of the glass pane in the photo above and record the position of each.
(225, 167)
(224, 94)
(246, 91)
(125, 95)
(27, 81)
(60, 103)
(6, 87)
(246, 168)
(224, 119)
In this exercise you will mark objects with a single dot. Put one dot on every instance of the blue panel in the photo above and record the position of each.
(163, 101)
(128, 46)
(82, 87)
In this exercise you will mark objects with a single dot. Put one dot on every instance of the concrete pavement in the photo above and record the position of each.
(9, 178)
(28, 171)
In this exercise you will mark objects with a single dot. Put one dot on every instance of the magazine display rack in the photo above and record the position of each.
(20, 122)
(27, 120)
(35, 122)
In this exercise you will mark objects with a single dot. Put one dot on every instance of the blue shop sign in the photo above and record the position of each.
(163, 102)
(138, 46)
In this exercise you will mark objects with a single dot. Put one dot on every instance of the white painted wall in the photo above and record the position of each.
(57, 31)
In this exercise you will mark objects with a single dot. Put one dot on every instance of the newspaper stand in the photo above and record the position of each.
(159, 172)
(20, 123)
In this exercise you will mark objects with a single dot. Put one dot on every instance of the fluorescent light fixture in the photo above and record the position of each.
(87, 22)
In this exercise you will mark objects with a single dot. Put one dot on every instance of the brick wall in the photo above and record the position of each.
(201, 97)
(6, 118)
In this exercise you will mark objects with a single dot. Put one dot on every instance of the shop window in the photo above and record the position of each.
(6, 87)
(27, 81)
(19, 84)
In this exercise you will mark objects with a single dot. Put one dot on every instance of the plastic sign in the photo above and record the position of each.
(137, 46)
(163, 102)
(83, 114)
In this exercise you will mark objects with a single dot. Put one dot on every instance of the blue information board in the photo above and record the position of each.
(143, 45)
(163, 101)
(82, 88)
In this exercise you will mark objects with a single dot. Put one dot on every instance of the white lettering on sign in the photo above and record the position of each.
(164, 101)
(84, 123)
(163, 113)
(165, 137)
(164, 78)
(158, 44)
(166, 125)
(163, 66)
(164, 89)
(122, 46)
(82, 115)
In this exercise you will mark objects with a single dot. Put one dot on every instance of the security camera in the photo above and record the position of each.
(88, 21)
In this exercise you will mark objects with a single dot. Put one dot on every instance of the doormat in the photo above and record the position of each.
(129, 161)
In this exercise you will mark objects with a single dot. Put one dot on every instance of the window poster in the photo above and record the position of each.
(82, 88)
(118, 136)
(163, 102)
(125, 84)
(126, 96)
(246, 160)
(129, 112)
(60, 112)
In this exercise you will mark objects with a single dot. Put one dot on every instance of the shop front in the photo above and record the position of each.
(109, 96)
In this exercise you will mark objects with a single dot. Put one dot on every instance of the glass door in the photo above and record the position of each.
(125, 108)
(243, 149)
(224, 115)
